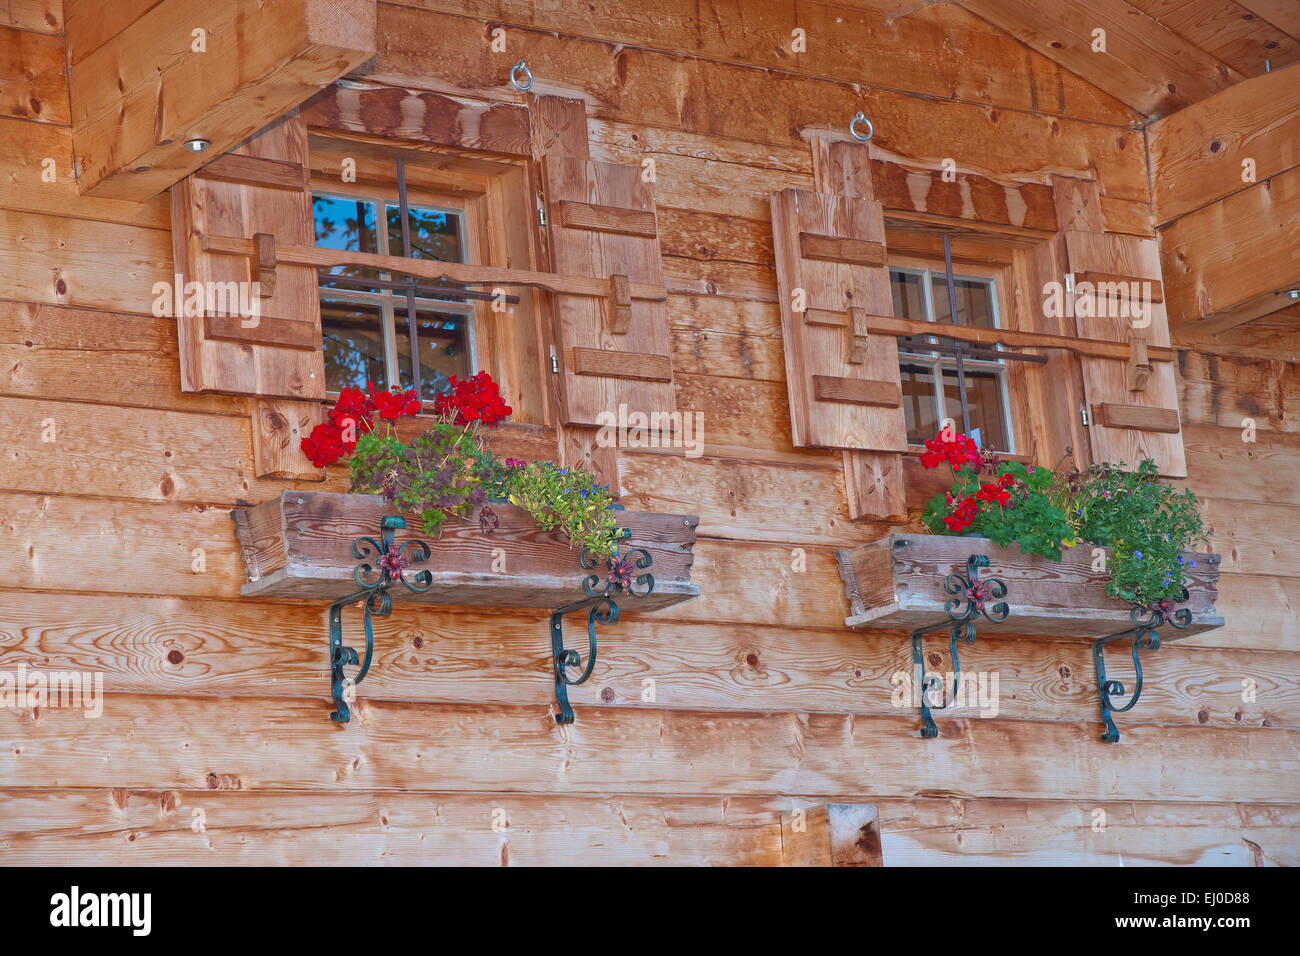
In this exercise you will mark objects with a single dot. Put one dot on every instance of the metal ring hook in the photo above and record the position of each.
(524, 87)
(853, 127)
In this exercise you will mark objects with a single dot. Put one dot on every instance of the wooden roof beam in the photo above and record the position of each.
(192, 69)
(1145, 64)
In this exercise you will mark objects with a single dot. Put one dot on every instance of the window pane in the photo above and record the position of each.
(919, 405)
(909, 303)
(443, 340)
(984, 400)
(346, 224)
(434, 234)
(974, 301)
(354, 345)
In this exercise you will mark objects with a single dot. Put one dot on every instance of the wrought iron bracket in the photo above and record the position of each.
(1145, 634)
(971, 599)
(374, 581)
(601, 608)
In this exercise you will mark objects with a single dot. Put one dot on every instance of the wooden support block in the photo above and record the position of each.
(1139, 366)
(857, 391)
(279, 427)
(141, 94)
(873, 486)
(596, 218)
(263, 264)
(835, 834)
(1122, 284)
(255, 171)
(856, 337)
(857, 252)
(1137, 417)
(618, 306)
(580, 447)
(641, 366)
(267, 330)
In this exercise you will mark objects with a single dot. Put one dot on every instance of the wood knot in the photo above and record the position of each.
(175, 657)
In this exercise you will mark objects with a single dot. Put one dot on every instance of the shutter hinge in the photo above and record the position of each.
(1083, 415)
(541, 212)
(555, 362)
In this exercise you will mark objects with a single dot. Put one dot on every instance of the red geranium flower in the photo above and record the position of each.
(476, 399)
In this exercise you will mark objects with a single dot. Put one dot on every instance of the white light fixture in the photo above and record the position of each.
(1293, 294)
(197, 145)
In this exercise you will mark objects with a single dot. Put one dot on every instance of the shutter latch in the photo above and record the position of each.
(555, 362)
(1083, 415)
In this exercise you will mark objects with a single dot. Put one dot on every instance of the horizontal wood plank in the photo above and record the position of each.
(260, 744)
(633, 365)
(597, 218)
(1137, 417)
(857, 391)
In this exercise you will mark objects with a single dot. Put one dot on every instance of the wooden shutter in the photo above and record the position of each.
(617, 351)
(260, 189)
(1132, 405)
(845, 389)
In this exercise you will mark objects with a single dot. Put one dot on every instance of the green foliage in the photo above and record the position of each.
(441, 474)
(1147, 524)
(564, 499)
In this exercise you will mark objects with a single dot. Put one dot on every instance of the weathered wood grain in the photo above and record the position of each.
(137, 827)
(99, 265)
(1197, 153)
(702, 97)
(120, 827)
(33, 86)
(25, 172)
(255, 743)
(456, 655)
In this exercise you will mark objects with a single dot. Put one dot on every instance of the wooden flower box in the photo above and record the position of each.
(897, 583)
(299, 547)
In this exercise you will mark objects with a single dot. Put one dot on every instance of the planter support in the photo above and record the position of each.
(1146, 637)
(601, 608)
(389, 562)
(970, 600)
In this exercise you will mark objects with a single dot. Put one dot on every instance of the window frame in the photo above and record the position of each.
(496, 190)
(389, 301)
(1010, 377)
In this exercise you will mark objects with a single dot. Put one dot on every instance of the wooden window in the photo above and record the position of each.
(929, 377)
(369, 333)
(463, 209)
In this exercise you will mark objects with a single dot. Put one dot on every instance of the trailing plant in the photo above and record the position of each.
(449, 472)
(569, 500)
(1146, 523)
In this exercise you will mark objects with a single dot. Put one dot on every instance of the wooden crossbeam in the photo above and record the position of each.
(1097, 348)
(464, 273)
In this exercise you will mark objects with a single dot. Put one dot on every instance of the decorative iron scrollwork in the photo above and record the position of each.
(601, 608)
(1146, 637)
(374, 580)
(971, 599)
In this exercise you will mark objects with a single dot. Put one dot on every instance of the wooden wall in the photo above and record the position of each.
(217, 708)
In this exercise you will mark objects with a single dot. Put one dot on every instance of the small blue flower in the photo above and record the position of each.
(1191, 563)
(1137, 554)
(1168, 579)
(1180, 560)
(584, 492)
